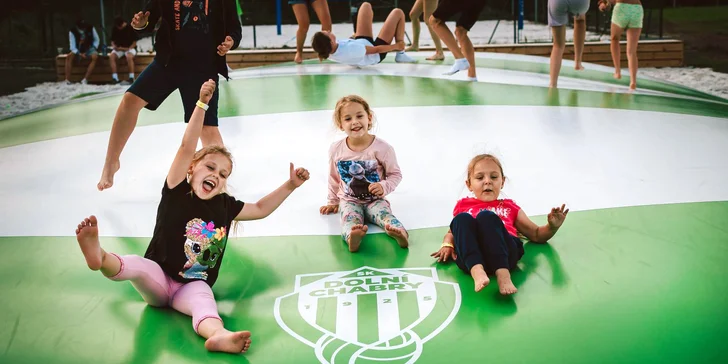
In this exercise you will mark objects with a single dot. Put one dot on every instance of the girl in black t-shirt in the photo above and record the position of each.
(193, 219)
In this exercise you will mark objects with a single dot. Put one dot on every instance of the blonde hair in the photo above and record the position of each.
(346, 100)
(217, 149)
(211, 149)
(481, 157)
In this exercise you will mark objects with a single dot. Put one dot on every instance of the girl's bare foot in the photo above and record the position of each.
(107, 175)
(87, 234)
(412, 49)
(357, 233)
(633, 86)
(617, 75)
(399, 235)
(504, 282)
(436, 57)
(298, 58)
(229, 342)
(578, 67)
(479, 276)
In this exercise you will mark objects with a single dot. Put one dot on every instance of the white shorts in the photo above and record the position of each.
(122, 54)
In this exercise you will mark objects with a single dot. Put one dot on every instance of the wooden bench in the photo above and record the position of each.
(651, 53)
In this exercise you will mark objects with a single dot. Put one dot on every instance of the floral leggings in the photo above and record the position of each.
(378, 212)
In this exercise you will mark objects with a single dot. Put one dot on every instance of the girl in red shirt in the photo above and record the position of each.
(483, 235)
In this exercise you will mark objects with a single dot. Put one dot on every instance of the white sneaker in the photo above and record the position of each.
(460, 65)
(402, 57)
(474, 79)
(84, 82)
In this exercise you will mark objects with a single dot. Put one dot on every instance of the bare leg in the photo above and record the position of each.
(505, 284)
(87, 234)
(446, 36)
(414, 15)
(364, 21)
(393, 27)
(479, 276)
(557, 53)
(210, 136)
(112, 61)
(301, 12)
(124, 122)
(616, 52)
(429, 7)
(321, 8)
(355, 237)
(467, 47)
(69, 63)
(130, 63)
(633, 37)
(91, 65)
(221, 339)
(579, 36)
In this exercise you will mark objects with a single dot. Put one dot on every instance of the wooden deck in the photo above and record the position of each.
(651, 53)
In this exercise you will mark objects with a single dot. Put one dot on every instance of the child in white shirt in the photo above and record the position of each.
(364, 50)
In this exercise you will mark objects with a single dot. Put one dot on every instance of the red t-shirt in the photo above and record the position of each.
(507, 210)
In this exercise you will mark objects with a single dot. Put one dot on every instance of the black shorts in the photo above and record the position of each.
(156, 82)
(469, 11)
(375, 43)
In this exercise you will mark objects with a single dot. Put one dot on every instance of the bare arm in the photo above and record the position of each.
(380, 49)
(266, 205)
(541, 234)
(183, 159)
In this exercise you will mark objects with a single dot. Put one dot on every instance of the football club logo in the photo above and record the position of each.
(368, 315)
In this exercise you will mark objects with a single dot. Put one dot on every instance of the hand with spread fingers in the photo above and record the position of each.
(557, 216)
(445, 253)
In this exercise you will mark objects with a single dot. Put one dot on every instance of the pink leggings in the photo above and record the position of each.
(157, 289)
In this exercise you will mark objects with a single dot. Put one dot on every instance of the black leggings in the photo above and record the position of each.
(484, 240)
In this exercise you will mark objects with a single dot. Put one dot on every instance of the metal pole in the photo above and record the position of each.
(278, 16)
(102, 41)
(515, 21)
(535, 11)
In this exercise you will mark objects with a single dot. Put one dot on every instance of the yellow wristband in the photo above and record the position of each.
(145, 25)
(446, 245)
(202, 105)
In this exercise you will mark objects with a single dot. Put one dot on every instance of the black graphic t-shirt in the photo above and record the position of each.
(191, 234)
(123, 37)
(193, 36)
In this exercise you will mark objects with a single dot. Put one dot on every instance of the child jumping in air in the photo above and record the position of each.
(364, 50)
(194, 216)
(483, 234)
(627, 14)
(363, 170)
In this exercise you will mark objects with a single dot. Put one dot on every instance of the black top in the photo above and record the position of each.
(191, 234)
(221, 19)
(123, 37)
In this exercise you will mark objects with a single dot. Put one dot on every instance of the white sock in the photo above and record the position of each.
(115, 76)
(131, 74)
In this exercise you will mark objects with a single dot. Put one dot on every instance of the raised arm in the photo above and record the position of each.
(183, 159)
(541, 234)
(266, 205)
